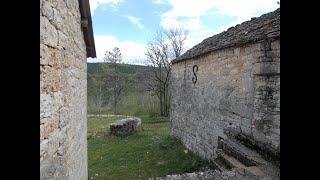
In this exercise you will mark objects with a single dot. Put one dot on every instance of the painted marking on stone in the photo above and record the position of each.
(194, 79)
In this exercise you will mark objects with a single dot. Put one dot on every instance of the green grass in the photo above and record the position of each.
(148, 153)
(148, 119)
(102, 112)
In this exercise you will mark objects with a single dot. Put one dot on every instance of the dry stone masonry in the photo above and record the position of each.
(125, 126)
(63, 90)
(204, 175)
(228, 87)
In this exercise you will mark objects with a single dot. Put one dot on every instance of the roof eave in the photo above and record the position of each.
(224, 47)
(86, 24)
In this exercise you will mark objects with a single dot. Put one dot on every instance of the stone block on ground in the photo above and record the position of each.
(125, 126)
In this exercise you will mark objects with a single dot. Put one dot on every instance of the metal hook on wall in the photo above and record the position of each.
(194, 79)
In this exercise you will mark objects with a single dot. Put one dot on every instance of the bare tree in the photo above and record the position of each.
(176, 36)
(165, 46)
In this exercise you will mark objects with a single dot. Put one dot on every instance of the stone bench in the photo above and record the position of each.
(125, 126)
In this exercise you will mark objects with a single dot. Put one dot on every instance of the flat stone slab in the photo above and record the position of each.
(125, 126)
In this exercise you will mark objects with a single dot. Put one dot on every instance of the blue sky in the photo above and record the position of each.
(130, 24)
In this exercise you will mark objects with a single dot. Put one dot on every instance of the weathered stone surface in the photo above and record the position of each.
(63, 91)
(236, 95)
(208, 174)
(43, 148)
(47, 10)
(234, 156)
(43, 55)
(49, 104)
(52, 169)
(125, 126)
(266, 68)
(48, 34)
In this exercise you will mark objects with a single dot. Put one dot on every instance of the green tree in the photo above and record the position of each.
(116, 81)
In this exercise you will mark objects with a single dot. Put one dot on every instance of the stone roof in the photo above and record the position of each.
(265, 26)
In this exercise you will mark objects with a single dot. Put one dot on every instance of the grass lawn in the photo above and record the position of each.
(148, 153)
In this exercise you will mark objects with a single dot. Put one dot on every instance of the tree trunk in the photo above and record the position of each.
(99, 98)
(165, 99)
(161, 92)
(115, 105)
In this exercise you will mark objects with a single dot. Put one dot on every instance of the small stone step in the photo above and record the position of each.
(241, 153)
(231, 161)
(254, 171)
(220, 165)
(240, 159)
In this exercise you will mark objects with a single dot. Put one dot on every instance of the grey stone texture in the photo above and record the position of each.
(237, 93)
(125, 126)
(234, 156)
(63, 92)
(207, 174)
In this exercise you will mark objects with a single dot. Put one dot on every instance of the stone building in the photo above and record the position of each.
(66, 40)
(228, 87)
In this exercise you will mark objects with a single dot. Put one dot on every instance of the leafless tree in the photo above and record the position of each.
(165, 46)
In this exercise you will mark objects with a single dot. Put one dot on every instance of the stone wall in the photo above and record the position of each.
(63, 113)
(237, 94)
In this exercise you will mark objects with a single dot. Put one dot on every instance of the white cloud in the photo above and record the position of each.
(136, 21)
(171, 22)
(183, 8)
(159, 1)
(247, 10)
(94, 4)
(188, 13)
(132, 52)
(244, 8)
(194, 39)
(194, 24)
(238, 20)
(190, 24)
(207, 33)
(193, 10)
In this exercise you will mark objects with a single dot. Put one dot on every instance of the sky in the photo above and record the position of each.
(131, 24)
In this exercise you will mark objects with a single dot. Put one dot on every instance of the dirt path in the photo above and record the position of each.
(108, 115)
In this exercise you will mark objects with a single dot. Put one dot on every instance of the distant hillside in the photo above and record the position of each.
(140, 71)
(93, 68)
(134, 99)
